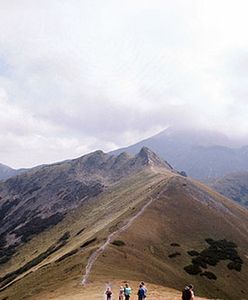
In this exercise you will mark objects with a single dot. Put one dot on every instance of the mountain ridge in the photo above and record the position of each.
(7, 172)
(233, 186)
(171, 217)
(201, 154)
(46, 193)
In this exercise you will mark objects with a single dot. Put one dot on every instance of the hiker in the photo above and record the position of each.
(121, 293)
(108, 293)
(141, 293)
(127, 291)
(188, 293)
(144, 288)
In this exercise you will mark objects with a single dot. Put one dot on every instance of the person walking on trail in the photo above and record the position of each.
(144, 288)
(121, 293)
(188, 293)
(141, 293)
(127, 291)
(108, 293)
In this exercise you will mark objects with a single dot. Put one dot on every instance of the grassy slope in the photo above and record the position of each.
(180, 213)
(99, 217)
(96, 292)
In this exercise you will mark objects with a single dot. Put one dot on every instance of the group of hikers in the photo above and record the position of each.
(125, 292)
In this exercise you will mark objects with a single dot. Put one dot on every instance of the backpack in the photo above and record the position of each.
(186, 294)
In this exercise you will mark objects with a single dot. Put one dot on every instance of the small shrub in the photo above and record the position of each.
(193, 269)
(80, 231)
(218, 250)
(88, 243)
(175, 254)
(200, 262)
(193, 253)
(64, 237)
(118, 243)
(67, 255)
(209, 275)
(209, 241)
(234, 266)
(175, 245)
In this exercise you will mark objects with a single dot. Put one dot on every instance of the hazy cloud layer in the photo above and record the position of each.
(82, 75)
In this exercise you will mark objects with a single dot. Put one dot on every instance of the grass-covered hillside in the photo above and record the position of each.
(150, 224)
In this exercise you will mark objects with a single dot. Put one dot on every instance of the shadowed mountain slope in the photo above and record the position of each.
(150, 223)
(38, 199)
(233, 186)
(201, 154)
(7, 172)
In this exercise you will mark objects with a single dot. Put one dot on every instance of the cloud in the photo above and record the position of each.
(77, 76)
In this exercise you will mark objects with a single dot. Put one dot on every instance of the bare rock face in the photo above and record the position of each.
(148, 157)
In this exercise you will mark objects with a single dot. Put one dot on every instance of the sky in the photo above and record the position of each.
(81, 75)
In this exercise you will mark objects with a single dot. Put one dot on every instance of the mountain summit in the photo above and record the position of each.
(149, 158)
(201, 154)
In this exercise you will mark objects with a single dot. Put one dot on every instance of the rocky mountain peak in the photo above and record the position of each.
(147, 157)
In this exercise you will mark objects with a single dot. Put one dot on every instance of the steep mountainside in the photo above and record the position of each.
(201, 154)
(36, 200)
(7, 172)
(149, 223)
(233, 186)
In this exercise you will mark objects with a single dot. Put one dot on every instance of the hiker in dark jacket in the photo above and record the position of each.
(144, 288)
(188, 293)
(141, 293)
(108, 293)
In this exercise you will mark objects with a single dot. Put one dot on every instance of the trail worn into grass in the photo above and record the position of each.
(95, 255)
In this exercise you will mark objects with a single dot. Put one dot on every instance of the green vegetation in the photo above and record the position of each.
(193, 253)
(37, 225)
(175, 245)
(80, 231)
(67, 255)
(233, 265)
(209, 275)
(64, 237)
(193, 269)
(6, 254)
(88, 243)
(13, 275)
(175, 254)
(118, 243)
(218, 250)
